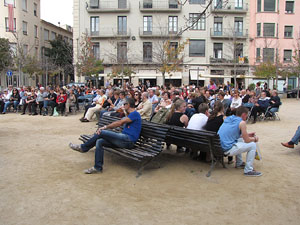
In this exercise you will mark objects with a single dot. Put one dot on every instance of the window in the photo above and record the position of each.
(35, 31)
(218, 4)
(197, 48)
(24, 5)
(53, 36)
(197, 1)
(269, 5)
(66, 39)
(173, 22)
(24, 25)
(218, 50)
(238, 26)
(200, 24)
(34, 9)
(287, 55)
(258, 29)
(122, 4)
(147, 4)
(218, 26)
(268, 54)
(94, 20)
(173, 4)
(94, 4)
(122, 25)
(288, 31)
(147, 24)
(25, 50)
(46, 35)
(96, 50)
(7, 2)
(147, 51)
(173, 46)
(258, 55)
(7, 28)
(269, 29)
(238, 4)
(122, 51)
(258, 5)
(289, 6)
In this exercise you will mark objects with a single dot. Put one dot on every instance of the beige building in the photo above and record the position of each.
(137, 28)
(29, 35)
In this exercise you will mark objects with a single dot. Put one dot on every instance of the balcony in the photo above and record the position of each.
(224, 61)
(229, 34)
(229, 7)
(108, 6)
(160, 6)
(104, 33)
(158, 32)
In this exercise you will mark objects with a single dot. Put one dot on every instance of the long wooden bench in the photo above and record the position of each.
(205, 141)
(149, 145)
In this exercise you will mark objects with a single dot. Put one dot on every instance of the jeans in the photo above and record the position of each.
(248, 105)
(240, 147)
(273, 111)
(296, 137)
(15, 103)
(108, 139)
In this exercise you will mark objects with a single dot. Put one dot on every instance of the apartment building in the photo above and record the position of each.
(30, 33)
(217, 48)
(274, 33)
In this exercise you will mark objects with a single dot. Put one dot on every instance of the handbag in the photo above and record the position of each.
(55, 113)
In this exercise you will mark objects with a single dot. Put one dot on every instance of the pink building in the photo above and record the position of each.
(274, 30)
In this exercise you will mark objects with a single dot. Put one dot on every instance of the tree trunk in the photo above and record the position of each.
(163, 78)
(298, 92)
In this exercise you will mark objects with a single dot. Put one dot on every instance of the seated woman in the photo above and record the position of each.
(30, 102)
(177, 117)
(14, 100)
(61, 101)
(165, 102)
(71, 102)
(235, 102)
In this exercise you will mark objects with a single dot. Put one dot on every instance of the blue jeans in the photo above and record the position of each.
(296, 137)
(15, 103)
(273, 111)
(240, 147)
(108, 139)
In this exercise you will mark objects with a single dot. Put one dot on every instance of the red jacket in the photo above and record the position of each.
(61, 99)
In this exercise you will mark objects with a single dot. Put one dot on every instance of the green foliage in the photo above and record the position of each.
(119, 71)
(5, 55)
(251, 87)
(31, 66)
(265, 70)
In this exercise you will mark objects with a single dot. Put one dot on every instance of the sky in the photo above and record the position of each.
(55, 11)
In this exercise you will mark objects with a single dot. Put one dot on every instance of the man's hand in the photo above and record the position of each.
(100, 129)
(251, 134)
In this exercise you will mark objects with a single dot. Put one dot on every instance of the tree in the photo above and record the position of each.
(5, 55)
(61, 55)
(88, 64)
(266, 70)
(32, 66)
(169, 57)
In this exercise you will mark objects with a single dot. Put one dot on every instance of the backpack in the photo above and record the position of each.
(160, 116)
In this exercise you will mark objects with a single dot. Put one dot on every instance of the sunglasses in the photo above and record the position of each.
(125, 103)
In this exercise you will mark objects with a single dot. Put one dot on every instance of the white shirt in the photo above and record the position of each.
(197, 122)
(235, 103)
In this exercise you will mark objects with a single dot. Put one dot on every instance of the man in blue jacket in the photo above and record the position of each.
(235, 140)
(261, 106)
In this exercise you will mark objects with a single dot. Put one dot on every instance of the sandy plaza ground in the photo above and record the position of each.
(42, 180)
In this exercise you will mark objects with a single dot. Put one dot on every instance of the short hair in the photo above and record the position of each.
(203, 107)
(122, 93)
(221, 93)
(131, 102)
(240, 110)
(168, 93)
(103, 91)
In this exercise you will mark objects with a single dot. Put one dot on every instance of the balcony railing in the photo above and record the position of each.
(158, 32)
(168, 6)
(241, 61)
(110, 33)
(108, 6)
(228, 34)
(229, 6)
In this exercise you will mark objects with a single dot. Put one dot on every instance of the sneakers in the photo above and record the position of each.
(242, 166)
(76, 147)
(253, 173)
(92, 170)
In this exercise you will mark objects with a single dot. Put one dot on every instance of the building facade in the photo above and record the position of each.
(274, 34)
(27, 34)
(217, 47)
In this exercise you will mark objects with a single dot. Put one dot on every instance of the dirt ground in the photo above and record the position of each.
(42, 180)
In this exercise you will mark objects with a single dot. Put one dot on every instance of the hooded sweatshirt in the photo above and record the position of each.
(230, 132)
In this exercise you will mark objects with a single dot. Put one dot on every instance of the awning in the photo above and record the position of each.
(194, 73)
(176, 75)
(145, 76)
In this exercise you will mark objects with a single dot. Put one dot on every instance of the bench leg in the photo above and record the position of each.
(212, 166)
(142, 167)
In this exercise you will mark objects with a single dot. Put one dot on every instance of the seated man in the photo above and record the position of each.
(89, 114)
(261, 105)
(294, 140)
(274, 103)
(117, 107)
(145, 107)
(103, 137)
(199, 120)
(230, 132)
